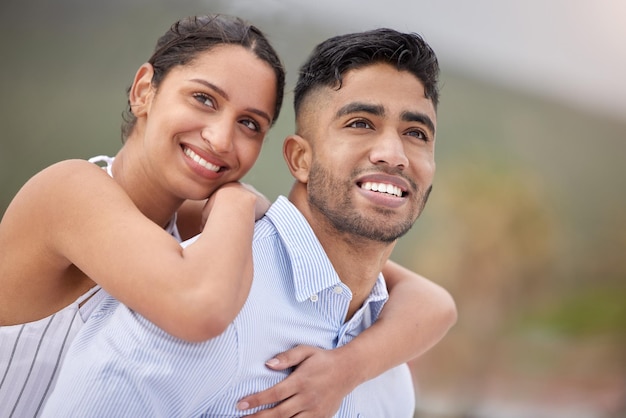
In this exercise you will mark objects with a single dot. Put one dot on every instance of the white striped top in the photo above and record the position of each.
(31, 353)
(123, 365)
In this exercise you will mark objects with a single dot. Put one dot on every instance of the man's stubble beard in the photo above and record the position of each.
(331, 197)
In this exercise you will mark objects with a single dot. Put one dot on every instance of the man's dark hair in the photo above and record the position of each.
(330, 60)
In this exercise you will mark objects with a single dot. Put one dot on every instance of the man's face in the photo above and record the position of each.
(373, 152)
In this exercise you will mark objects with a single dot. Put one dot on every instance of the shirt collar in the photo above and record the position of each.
(312, 270)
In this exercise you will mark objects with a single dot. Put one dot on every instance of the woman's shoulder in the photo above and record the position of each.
(69, 174)
(61, 183)
(72, 167)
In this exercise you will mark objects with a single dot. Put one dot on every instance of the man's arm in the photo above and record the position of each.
(417, 316)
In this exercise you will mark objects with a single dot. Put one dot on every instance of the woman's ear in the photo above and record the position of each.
(141, 91)
(297, 154)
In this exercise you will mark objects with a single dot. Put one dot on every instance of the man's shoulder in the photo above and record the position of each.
(279, 219)
(264, 228)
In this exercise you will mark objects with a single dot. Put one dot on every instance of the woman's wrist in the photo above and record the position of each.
(355, 363)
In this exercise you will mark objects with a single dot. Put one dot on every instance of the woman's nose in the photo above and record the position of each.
(219, 136)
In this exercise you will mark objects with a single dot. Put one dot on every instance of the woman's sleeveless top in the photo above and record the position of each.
(31, 354)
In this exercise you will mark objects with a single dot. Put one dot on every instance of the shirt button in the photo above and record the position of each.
(338, 290)
(314, 298)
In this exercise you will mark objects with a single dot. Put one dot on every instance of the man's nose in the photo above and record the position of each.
(388, 149)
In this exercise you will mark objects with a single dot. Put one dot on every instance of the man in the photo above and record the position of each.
(363, 163)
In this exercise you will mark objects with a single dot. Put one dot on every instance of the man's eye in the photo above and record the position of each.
(419, 135)
(205, 99)
(360, 124)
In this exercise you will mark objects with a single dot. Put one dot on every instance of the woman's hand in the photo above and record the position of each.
(316, 388)
(262, 202)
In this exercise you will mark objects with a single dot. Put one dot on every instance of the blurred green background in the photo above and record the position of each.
(525, 226)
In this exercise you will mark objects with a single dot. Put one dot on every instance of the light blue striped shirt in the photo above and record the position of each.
(120, 364)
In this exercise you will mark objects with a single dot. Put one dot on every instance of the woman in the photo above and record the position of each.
(198, 113)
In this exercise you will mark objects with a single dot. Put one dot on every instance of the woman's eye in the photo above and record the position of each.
(360, 124)
(205, 99)
(251, 124)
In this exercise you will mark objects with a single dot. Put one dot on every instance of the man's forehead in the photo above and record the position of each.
(379, 83)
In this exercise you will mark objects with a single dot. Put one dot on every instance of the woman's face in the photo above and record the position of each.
(205, 124)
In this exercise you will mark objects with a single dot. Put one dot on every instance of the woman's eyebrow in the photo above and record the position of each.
(222, 93)
(212, 86)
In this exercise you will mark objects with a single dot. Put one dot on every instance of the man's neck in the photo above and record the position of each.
(357, 264)
(357, 260)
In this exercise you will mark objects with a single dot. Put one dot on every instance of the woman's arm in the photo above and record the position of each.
(89, 221)
(189, 218)
(193, 214)
(417, 315)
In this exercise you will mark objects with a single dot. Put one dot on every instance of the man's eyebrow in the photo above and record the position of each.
(421, 118)
(222, 93)
(357, 107)
(379, 110)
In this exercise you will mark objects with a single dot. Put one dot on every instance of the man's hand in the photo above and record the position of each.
(315, 388)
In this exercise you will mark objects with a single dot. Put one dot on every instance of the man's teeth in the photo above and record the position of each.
(382, 188)
(204, 163)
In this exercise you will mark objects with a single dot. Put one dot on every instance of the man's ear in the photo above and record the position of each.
(297, 154)
(141, 91)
